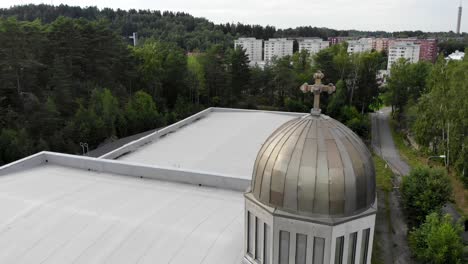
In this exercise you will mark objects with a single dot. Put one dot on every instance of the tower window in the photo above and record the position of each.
(319, 249)
(250, 233)
(365, 245)
(301, 248)
(352, 248)
(339, 250)
(284, 247)
(258, 251)
(266, 244)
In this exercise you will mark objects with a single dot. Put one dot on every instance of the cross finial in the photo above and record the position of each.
(317, 88)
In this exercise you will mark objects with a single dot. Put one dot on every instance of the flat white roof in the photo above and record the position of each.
(221, 142)
(57, 214)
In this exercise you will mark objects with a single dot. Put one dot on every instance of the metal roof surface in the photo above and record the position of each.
(221, 142)
(56, 214)
(315, 166)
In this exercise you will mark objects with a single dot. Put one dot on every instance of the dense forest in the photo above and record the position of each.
(69, 75)
(192, 33)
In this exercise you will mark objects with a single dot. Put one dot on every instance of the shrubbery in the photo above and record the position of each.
(437, 240)
(424, 190)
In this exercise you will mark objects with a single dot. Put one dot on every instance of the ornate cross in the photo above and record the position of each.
(317, 88)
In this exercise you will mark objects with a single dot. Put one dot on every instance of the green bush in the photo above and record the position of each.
(292, 105)
(355, 121)
(437, 241)
(424, 191)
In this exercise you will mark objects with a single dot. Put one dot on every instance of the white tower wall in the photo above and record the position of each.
(262, 218)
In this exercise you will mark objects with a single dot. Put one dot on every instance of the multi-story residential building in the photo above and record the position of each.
(428, 47)
(277, 48)
(253, 48)
(406, 50)
(312, 45)
(361, 45)
(380, 44)
(428, 50)
(338, 40)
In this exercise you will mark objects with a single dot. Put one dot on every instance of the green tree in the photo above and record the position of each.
(106, 106)
(14, 144)
(239, 73)
(141, 113)
(302, 65)
(407, 83)
(214, 65)
(424, 190)
(284, 79)
(86, 126)
(338, 100)
(443, 110)
(163, 67)
(437, 241)
(196, 79)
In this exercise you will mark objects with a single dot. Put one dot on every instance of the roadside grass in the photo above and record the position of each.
(384, 183)
(383, 174)
(377, 250)
(416, 158)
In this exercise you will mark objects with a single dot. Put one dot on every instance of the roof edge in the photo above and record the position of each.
(136, 144)
(128, 169)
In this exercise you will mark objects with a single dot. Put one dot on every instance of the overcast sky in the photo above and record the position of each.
(389, 15)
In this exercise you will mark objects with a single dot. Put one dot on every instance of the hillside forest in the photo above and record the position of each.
(69, 75)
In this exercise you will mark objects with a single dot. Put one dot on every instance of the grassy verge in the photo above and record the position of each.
(377, 250)
(383, 174)
(415, 158)
(384, 183)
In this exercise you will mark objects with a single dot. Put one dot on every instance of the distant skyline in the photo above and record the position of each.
(372, 15)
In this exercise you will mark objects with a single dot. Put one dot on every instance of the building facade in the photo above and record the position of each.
(361, 45)
(253, 48)
(277, 48)
(406, 50)
(312, 45)
(338, 40)
(427, 47)
(380, 44)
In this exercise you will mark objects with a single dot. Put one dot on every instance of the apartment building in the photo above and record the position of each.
(406, 50)
(312, 45)
(361, 45)
(338, 40)
(253, 48)
(428, 47)
(380, 44)
(277, 48)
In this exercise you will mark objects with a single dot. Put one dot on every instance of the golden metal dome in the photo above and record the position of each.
(315, 166)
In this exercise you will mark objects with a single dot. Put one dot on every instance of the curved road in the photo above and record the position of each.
(393, 235)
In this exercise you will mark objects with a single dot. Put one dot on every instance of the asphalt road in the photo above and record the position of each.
(392, 230)
(382, 142)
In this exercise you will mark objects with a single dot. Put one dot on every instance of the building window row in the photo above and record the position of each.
(352, 245)
(300, 256)
(259, 239)
(259, 245)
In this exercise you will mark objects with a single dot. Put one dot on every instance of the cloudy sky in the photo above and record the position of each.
(389, 15)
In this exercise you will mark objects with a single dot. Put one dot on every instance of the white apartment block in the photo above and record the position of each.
(253, 48)
(361, 45)
(313, 45)
(277, 48)
(405, 50)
